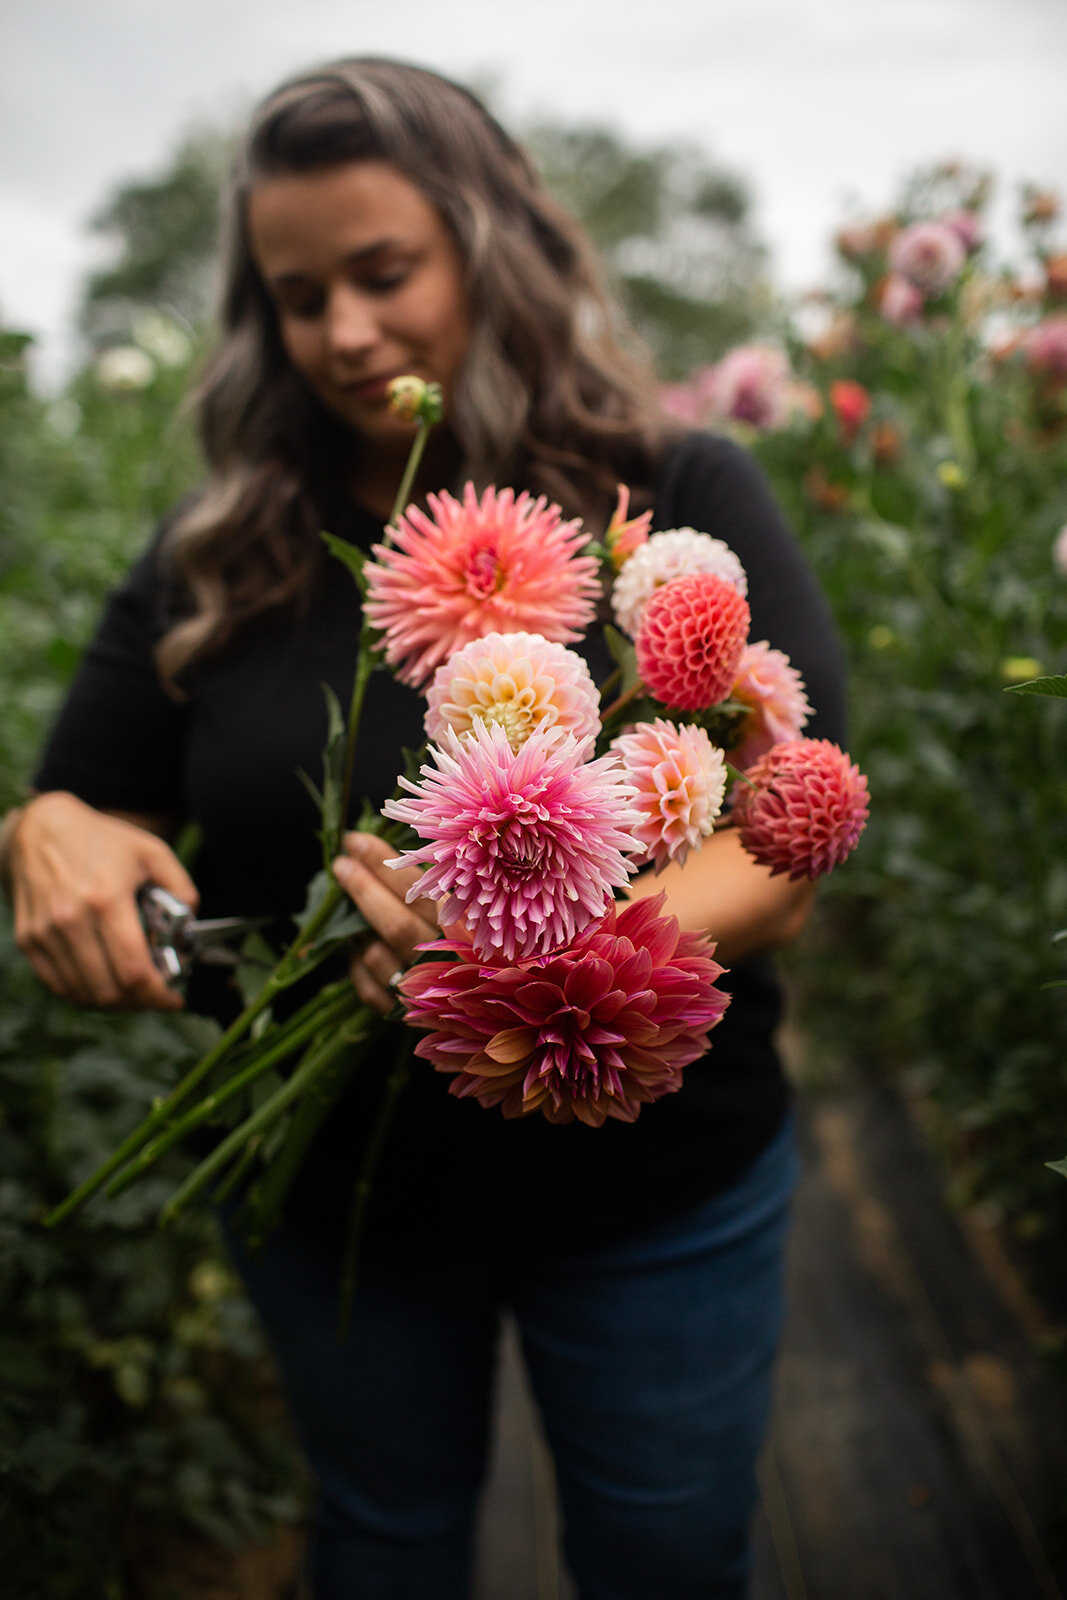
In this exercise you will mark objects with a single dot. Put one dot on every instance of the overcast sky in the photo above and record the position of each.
(811, 101)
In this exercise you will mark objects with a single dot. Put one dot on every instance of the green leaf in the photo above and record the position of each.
(1055, 685)
(1058, 1166)
(622, 652)
(333, 777)
(349, 555)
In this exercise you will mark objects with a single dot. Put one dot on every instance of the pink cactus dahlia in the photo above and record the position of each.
(773, 688)
(680, 778)
(807, 810)
(930, 255)
(669, 554)
(499, 564)
(690, 641)
(524, 848)
(594, 1031)
(520, 680)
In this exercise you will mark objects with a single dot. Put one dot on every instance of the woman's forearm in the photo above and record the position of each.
(723, 892)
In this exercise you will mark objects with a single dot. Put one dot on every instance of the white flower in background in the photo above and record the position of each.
(668, 555)
(162, 338)
(124, 368)
(1059, 551)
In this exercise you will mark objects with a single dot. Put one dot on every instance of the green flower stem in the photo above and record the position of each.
(264, 1203)
(274, 1051)
(288, 970)
(394, 1085)
(365, 663)
(317, 1059)
(403, 493)
(240, 1169)
(635, 690)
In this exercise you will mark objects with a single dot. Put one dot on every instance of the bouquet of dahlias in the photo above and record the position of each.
(537, 797)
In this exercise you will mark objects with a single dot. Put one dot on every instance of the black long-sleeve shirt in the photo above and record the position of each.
(453, 1177)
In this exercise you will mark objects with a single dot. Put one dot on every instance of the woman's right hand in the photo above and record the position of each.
(74, 875)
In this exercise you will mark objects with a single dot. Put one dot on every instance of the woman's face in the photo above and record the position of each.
(367, 283)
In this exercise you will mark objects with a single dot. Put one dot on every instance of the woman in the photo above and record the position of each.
(380, 222)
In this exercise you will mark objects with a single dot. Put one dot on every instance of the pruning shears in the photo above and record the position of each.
(179, 940)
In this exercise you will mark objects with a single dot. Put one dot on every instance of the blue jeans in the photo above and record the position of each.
(650, 1360)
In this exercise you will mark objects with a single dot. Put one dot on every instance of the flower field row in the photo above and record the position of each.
(914, 424)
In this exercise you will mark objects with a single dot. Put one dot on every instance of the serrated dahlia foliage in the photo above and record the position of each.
(523, 847)
(501, 563)
(522, 681)
(803, 808)
(690, 641)
(590, 1032)
(670, 554)
(680, 780)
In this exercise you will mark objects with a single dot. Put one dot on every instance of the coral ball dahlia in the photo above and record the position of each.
(523, 847)
(807, 809)
(498, 564)
(691, 639)
(594, 1031)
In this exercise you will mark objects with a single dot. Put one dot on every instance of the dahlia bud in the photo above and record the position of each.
(414, 400)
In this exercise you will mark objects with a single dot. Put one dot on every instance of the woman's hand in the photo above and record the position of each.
(74, 875)
(400, 928)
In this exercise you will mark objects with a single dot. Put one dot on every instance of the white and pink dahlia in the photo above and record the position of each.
(690, 641)
(773, 689)
(524, 847)
(930, 255)
(591, 1032)
(806, 811)
(522, 681)
(680, 779)
(669, 555)
(753, 384)
(495, 565)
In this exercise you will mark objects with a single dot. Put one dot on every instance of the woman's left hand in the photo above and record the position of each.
(399, 928)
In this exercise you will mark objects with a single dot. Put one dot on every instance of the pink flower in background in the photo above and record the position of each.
(967, 226)
(595, 1031)
(807, 810)
(523, 847)
(690, 641)
(667, 555)
(625, 535)
(682, 401)
(680, 779)
(494, 565)
(521, 681)
(900, 302)
(751, 384)
(769, 683)
(1046, 347)
(930, 255)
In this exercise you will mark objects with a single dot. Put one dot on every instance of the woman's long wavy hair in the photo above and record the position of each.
(546, 400)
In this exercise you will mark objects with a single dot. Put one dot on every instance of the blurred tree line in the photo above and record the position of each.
(673, 228)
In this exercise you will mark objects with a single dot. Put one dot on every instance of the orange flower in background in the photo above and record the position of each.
(887, 446)
(823, 493)
(1056, 276)
(851, 406)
